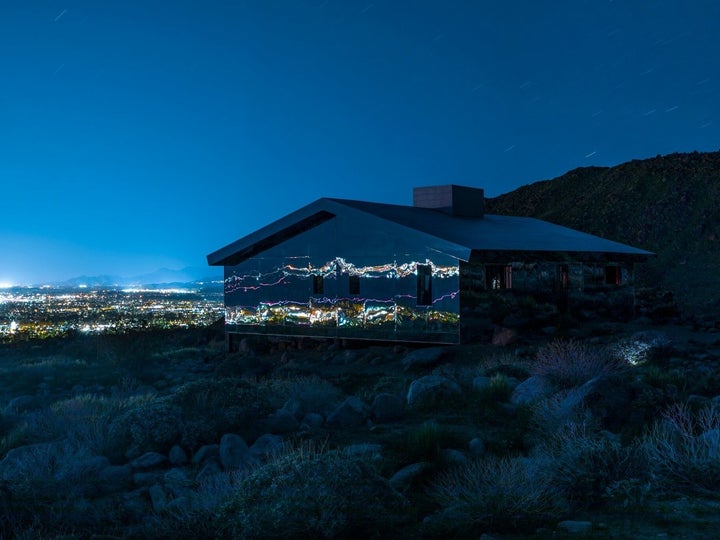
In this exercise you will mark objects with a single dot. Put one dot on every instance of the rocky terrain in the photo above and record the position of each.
(667, 204)
(599, 431)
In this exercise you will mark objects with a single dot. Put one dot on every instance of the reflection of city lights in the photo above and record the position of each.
(330, 269)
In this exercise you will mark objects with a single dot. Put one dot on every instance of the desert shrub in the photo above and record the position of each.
(682, 449)
(312, 495)
(571, 363)
(49, 483)
(581, 463)
(421, 443)
(147, 423)
(554, 413)
(498, 391)
(210, 407)
(195, 517)
(313, 393)
(500, 493)
(84, 420)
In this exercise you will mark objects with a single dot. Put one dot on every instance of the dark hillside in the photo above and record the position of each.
(667, 204)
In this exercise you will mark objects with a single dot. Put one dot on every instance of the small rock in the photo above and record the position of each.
(530, 390)
(453, 457)
(148, 460)
(476, 447)
(210, 469)
(387, 407)
(205, 453)
(365, 450)
(177, 455)
(431, 389)
(177, 477)
(114, 478)
(234, 452)
(350, 413)
(281, 422)
(312, 421)
(21, 404)
(403, 479)
(147, 478)
(158, 498)
(424, 357)
(266, 445)
(575, 527)
(480, 383)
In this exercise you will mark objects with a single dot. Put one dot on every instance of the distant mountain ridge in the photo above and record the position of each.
(189, 274)
(668, 204)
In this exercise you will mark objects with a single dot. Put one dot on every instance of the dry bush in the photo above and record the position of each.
(683, 450)
(580, 463)
(572, 363)
(500, 493)
(311, 494)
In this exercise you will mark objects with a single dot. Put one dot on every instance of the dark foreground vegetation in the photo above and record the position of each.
(604, 431)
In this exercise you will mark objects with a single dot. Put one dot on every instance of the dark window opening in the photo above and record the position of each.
(318, 284)
(424, 285)
(498, 277)
(354, 285)
(613, 275)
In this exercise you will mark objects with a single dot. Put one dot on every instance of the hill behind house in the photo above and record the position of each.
(668, 204)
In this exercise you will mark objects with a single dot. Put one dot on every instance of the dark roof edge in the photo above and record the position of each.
(271, 235)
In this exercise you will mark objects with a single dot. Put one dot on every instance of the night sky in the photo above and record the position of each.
(136, 135)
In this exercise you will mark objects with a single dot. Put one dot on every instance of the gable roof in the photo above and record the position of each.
(490, 233)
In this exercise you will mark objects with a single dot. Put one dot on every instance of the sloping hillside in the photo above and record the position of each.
(667, 204)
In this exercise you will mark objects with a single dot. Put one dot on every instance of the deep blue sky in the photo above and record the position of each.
(141, 134)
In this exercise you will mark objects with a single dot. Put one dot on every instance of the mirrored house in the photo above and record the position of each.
(431, 272)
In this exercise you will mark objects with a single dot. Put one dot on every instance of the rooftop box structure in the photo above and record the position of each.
(432, 272)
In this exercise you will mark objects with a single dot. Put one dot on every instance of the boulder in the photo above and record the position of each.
(424, 357)
(531, 390)
(234, 453)
(282, 421)
(431, 389)
(350, 413)
(266, 445)
(387, 407)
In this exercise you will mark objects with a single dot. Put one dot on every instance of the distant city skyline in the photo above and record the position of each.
(141, 135)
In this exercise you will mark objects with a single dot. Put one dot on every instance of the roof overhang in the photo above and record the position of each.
(271, 235)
